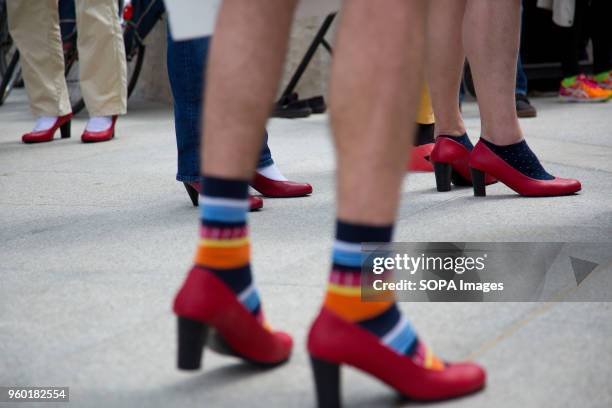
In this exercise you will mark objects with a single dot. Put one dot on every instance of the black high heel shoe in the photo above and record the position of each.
(194, 187)
(193, 191)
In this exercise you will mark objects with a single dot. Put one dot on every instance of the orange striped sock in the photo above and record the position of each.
(224, 247)
(382, 318)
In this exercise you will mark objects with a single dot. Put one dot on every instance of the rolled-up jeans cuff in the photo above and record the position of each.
(265, 163)
(187, 179)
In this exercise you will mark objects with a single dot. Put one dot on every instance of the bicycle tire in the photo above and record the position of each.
(133, 77)
(71, 57)
(4, 37)
(9, 78)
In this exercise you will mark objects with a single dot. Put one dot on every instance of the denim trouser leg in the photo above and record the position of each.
(265, 156)
(186, 62)
(521, 78)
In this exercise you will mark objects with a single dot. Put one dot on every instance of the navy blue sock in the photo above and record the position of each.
(520, 157)
(463, 139)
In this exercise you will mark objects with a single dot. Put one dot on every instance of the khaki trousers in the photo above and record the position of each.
(34, 26)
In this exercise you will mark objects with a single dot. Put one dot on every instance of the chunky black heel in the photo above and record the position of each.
(192, 336)
(65, 130)
(443, 176)
(193, 193)
(327, 383)
(478, 180)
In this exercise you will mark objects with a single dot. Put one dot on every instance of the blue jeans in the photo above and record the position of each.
(521, 81)
(521, 78)
(186, 62)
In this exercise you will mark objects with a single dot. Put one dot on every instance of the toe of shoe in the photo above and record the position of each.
(304, 188)
(568, 186)
(467, 377)
(285, 344)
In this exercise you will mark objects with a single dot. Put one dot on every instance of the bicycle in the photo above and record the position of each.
(138, 17)
(9, 57)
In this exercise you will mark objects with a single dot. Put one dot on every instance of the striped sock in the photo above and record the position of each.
(382, 319)
(224, 248)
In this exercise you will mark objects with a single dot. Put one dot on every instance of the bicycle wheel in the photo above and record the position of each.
(71, 65)
(10, 77)
(6, 43)
(134, 65)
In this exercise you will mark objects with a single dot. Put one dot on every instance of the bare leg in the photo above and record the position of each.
(445, 58)
(246, 60)
(491, 38)
(376, 79)
(373, 100)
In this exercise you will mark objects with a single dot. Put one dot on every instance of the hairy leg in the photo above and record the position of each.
(491, 39)
(445, 58)
(246, 59)
(376, 79)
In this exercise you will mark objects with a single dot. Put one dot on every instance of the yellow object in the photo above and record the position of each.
(425, 114)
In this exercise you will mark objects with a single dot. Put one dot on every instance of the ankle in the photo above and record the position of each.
(99, 123)
(272, 172)
(463, 139)
(503, 136)
(44, 123)
(449, 131)
(520, 157)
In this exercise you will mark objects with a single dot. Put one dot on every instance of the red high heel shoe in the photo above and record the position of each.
(194, 188)
(450, 162)
(62, 122)
(419, 158)
(484, 162)
(333, 341)
(101, 136)
(204, 303)
(279, 189)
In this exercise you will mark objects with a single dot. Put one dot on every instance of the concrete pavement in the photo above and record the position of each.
(95, 239)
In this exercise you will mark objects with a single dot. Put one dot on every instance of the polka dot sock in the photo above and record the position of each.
(520, 157)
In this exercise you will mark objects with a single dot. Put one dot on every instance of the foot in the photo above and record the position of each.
(219, 292)
(99, 129)
(270, 182)
(524, 109)
(416, 373)
(99, 123)
(517, 167)
(45, 129)
(375, 336)
(44, 123)
(450, 159)
(582, 89)
(272, 172)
